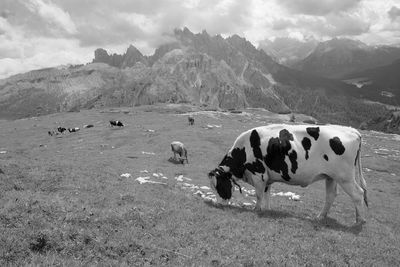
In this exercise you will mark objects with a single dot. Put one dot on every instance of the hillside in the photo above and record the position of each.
(221, 73)
(379, 84)
(337, 58)
(75, 199)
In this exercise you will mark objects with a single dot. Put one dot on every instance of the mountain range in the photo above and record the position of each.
(211, 71)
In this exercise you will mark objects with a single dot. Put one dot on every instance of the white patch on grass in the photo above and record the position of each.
(143, 180)
(126, 175)
(290, 195)
(3, 152)
(148, 153)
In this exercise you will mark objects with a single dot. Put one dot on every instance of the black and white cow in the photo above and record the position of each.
(116, 123)
(191, 120)
(179, 148)
(295, 155)
(88, 126)
(73, 130)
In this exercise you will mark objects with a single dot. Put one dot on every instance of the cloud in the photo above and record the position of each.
(53, 14)
(44, 52)
(394, 12)
(281, 24)
(5, 13)
(318, 7)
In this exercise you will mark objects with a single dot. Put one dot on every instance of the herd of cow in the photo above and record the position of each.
(287, 153)
(62, 130)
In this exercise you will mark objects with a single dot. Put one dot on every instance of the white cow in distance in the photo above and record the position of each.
(179, 148)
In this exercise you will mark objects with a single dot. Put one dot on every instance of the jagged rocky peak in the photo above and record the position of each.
(129, 59)
(132, 56)
(101, 56)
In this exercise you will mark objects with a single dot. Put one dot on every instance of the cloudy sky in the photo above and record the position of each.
(43, 33)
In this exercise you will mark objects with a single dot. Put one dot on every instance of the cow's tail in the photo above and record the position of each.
(363, 183)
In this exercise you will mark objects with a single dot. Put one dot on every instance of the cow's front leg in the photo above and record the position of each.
(259, 187)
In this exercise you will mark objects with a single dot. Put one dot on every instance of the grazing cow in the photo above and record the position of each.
(52, 132)
(116, 123)
(73, 130)
(88, 126)
(61, 129)
(178, 148)
(295, 155)
(191, 120)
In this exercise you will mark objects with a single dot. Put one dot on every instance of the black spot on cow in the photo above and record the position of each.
(266, 188)
(235, 161)
(254, 167)
(293, 160)
(255, 143)
(306, 142)
(326, 157)
(277, 149)
(336, 145)
(313, 132)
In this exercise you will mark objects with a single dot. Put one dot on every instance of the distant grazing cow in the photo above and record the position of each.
(295, 155)
(179, 148)
(116, 123)
(52, 132)
(88, 126)
(73, 130)
(61, 129)
(191, 120)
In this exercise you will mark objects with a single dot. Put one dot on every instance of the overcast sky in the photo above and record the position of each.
(43, 33)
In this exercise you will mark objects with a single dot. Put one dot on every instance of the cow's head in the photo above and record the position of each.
(221, 182)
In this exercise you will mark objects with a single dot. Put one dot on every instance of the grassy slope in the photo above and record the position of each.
(63, 200)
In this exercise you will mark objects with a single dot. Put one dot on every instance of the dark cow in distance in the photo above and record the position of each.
(52, 132)
(191, 120)
(116, 123)
(88, 126)
(295, 155)
(61, 129)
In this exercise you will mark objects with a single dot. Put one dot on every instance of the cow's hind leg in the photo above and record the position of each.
(331, 192)
(267, 194)
(357, 195)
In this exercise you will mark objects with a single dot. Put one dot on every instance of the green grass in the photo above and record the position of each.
(63, 200)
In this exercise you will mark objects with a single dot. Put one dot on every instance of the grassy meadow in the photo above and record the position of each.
(63, 201)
